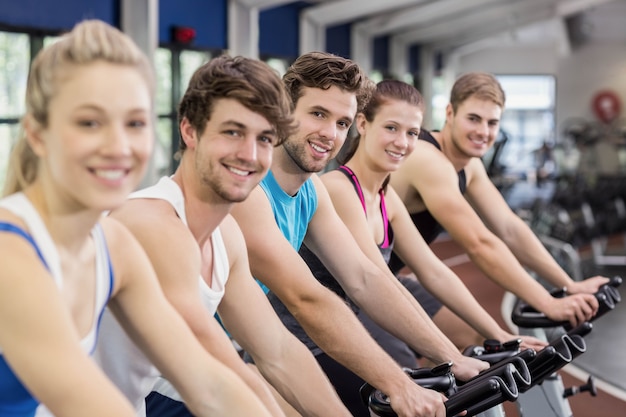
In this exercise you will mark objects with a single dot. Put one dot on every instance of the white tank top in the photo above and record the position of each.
(19, 205)
(121, 360)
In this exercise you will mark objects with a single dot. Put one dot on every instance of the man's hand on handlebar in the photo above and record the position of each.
(528, 342)
(576, 308)
(465, 368)
(415, 401)
(587, 286)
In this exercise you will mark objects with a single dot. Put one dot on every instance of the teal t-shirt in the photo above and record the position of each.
(292, 213)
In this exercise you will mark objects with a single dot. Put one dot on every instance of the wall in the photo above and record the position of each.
(593, 67)
(56, 15)
(278, 31)
(599, 62)
(208, 18)
(512, 60)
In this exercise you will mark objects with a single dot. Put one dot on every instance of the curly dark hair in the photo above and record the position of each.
(324, 70)
(251, 82)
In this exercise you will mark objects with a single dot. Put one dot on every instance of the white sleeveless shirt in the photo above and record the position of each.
(122, 361)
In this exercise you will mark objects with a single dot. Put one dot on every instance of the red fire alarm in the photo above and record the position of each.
(183, 34)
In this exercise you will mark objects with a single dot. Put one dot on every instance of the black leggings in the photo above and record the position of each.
(158, 405)
(346, 384)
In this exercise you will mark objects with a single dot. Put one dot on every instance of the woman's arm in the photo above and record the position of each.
(340, 237)
(440, 280)
(40, 342)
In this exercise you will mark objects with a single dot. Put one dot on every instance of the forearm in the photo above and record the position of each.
(93, 398)
(219, 345)
(531, 253)
(258, 386)
(339, 333)
(455, 295)
(207, 386)
(397, 311)
(308, 390)
(497, 262)
(229, 396)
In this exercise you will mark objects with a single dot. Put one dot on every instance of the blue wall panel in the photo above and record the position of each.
(415, 59)
(56, 14)
(381, 53)
(338, 40)
(279, 31)
(208, 17)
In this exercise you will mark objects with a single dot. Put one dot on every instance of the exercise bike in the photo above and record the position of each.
(513, 372)
(550, 393)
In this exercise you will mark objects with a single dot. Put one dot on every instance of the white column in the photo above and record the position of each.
(312, 35)
(398, 58)
(361, 46)
(243, 29)
(140, 21)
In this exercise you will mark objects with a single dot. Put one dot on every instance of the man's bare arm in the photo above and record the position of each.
(518, 236)
(431, 173)
(282, 359)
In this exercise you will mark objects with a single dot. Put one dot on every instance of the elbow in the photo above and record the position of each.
(479, 246)
(511, 234)
(305, 306)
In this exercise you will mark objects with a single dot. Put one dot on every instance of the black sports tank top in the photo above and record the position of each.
(424, 221)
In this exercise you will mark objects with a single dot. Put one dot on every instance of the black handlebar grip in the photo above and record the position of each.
(476, 396)
(524, 315)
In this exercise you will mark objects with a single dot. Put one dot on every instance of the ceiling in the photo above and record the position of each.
(440, 24)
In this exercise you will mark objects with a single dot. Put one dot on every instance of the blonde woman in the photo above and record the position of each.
(88, 136)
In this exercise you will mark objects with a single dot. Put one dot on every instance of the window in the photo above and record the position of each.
(15, 56)
(528, 119)
(174, 68)
(439, 101)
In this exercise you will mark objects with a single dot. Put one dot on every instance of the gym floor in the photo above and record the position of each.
(490, 296)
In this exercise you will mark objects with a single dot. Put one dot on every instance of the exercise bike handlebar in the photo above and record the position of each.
(512, 371)
(557, 354)
(524, 315)
(490, 388)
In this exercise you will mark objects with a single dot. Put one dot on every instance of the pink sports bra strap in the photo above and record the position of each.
(383, 209)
